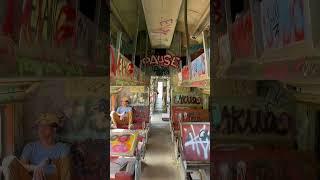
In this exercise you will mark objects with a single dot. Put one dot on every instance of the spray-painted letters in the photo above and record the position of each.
(199, 68)
(196, 141)
(273, 94)
(247, 121)
(282, 22)
(165, 27)
(164, 61)
(46, 20)
(186, 99)
(185, 73)
(242, 36)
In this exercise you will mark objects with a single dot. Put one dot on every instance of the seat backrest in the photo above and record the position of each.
(140, 114)
(88, 159)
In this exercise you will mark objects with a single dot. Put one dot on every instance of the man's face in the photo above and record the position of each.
(124, 103)
(45, 131)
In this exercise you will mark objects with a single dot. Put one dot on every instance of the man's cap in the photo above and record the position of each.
(47, 119)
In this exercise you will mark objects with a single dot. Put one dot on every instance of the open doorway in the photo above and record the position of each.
(160, 99)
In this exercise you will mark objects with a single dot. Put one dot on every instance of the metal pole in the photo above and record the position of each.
(187, 33)
(146, 49)
(180, 45)
(140, 63)
(148, 70)
(118, 47)
(136, 38)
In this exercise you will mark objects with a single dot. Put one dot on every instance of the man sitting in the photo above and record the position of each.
(123, 115)
(43, 159)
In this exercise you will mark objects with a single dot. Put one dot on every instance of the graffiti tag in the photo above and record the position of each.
(199, 141)
(309, 69)
(182, 99)
(247, 121)
(43, 20)
(164, 61)
(282, 22)
(165, 26)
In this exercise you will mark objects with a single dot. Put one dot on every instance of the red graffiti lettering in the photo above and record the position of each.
(164, 61)
(8, 23)
(65, 24)
(242, 37)
(161, 30)
(167, 22)
(45, 20)
(113, 61)
(165, 27)
(297, 11)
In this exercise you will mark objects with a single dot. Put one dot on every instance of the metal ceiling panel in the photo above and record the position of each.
(161, 18)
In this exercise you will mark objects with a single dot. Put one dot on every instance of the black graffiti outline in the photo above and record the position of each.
(185, 99)
(263, 123)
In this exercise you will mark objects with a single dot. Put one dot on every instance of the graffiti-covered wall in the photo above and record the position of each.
(308, 133)
(49, 38)
(269, 112)
(80, 104)
(138, 95)
(283, 22)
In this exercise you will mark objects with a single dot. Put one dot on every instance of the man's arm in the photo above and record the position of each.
(118, 110)
(25, 158)
(27, 165)
(120, 113)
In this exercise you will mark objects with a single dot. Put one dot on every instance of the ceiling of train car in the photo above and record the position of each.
(126, 13)
(198, 16)
(161, 18)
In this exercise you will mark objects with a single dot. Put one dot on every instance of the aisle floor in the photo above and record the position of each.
(159, 163)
